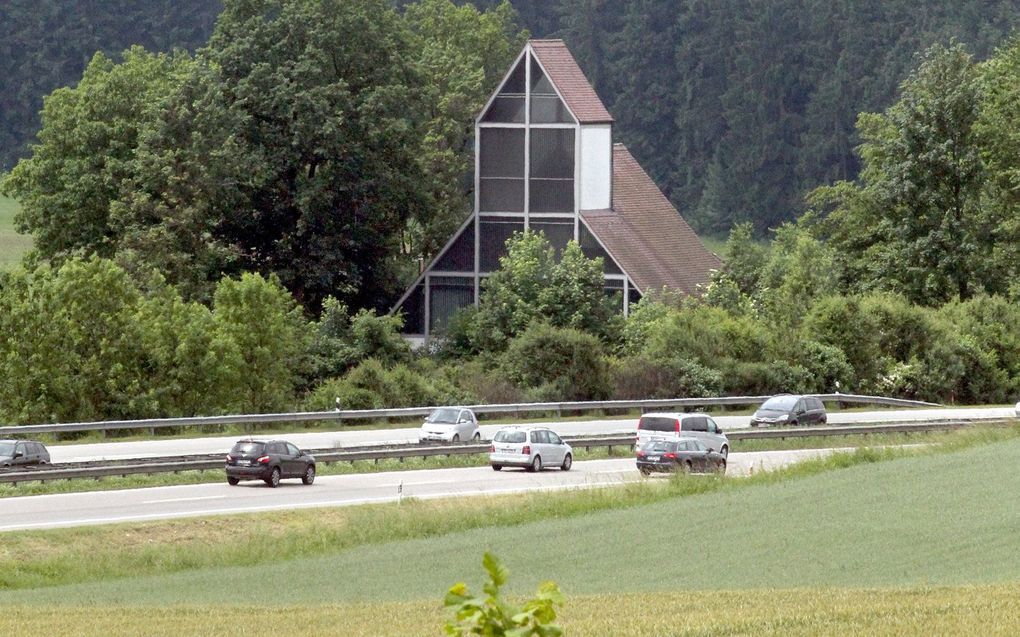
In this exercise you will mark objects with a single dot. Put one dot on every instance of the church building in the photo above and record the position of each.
(545, 161)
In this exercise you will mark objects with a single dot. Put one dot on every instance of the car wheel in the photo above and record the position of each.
(274, 478)
(754, 424)
(497, 467)
(721, 467)
(568, 461)
(456, 438)
(688, 467)
(233, 481)
(645, 471)
(477, 437)
(536, 464)
(823, 420)
(309, 476)
(725, 451)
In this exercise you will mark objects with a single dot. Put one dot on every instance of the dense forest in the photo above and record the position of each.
(45, 44)
(736, 108)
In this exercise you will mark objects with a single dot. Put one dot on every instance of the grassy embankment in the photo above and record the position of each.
(886, 542)
(12, 244)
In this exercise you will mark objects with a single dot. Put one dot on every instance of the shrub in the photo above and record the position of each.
(759, 379)
(493, 615)
(640, 377)
(557, 362)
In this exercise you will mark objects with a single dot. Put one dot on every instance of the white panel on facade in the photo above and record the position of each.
(596, 167)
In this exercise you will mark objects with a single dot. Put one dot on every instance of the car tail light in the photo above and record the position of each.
(678, 425)
(641, 454)
(229, 457)
(263, 460)
(671, 456)
(492, 448)
(526, 451)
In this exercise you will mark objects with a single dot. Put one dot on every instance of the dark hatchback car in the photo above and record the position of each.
(269, 461)
(790, 409)
(18, 453)
(687, 455)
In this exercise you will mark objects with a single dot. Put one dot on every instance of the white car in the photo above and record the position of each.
(1016, 410)
(531, 448)
(450, 424)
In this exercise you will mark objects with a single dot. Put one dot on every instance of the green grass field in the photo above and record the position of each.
(916, 544)
(12, 245)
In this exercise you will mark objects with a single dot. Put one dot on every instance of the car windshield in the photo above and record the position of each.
(444, 416)
(782, 403)
(6, 448)
(510, 436)
(248, 448)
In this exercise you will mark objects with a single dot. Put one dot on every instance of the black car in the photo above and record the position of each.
(687, 455)
(18, 453)
(790, 409)
(269, 461)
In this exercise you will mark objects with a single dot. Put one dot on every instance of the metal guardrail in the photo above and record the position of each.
(408, 412)
(402, 452)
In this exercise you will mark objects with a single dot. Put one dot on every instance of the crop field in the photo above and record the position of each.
(12, 244)
(893, 543)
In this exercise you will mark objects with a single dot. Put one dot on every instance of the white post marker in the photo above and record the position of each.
(400, 491)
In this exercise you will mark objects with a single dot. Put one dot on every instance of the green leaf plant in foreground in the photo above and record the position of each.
(493, 616)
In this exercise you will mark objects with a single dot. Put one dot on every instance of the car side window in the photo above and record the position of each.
(540, 437)
(712, 427)
(817, 404)
(277, 448)
(292, 450)
(19, 448)
(553, 438)
(698, 423)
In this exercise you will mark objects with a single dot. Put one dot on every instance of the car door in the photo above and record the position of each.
(464, 425)
(297, 461)
(700, 453)
(20, 455)
(560, 447)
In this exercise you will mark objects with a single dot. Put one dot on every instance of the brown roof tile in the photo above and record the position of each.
(646, 235)
(566, 75)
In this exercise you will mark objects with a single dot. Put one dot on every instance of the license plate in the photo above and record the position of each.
(244, 463)
(653, 458)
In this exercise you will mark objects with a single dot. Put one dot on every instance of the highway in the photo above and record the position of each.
(348, 438)
(159, 503)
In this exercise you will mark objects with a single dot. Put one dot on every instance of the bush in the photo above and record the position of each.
(760, 379)
(493, 615)
(640, 377)
(560, 363)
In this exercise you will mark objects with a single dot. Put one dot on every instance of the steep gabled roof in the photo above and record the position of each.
(646, 235)
(569, 80)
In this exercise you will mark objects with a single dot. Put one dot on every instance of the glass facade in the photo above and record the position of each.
(557, 231)
(460, 256)
(447, 294)
(493, 233)
(526, 149)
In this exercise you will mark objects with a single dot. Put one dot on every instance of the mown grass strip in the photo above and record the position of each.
(33, 559)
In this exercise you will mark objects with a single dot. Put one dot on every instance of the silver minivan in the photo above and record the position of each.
(531, 448)
(674, 425)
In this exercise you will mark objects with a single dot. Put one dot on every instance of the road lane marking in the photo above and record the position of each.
(204, 497)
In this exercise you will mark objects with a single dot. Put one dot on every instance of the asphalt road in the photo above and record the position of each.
(136, 505)
(321, 440)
